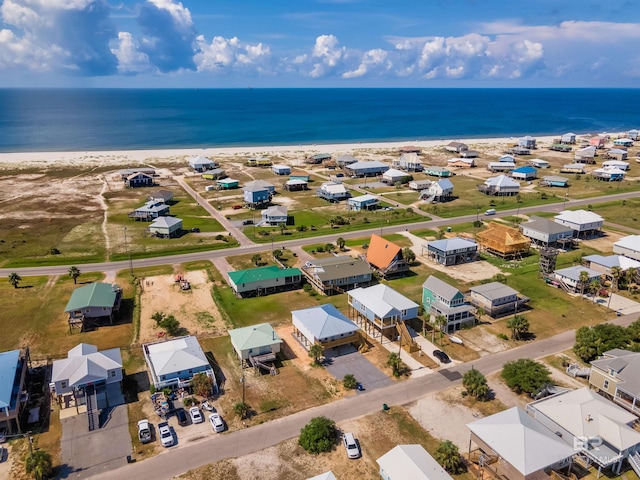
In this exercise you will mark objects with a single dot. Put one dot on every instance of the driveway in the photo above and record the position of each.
(349, 360)
(85, 453)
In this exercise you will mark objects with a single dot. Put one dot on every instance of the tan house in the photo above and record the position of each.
(617, 375)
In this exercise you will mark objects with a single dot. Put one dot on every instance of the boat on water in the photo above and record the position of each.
(454, 339)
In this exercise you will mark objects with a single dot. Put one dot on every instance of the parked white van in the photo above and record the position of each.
(491, 211)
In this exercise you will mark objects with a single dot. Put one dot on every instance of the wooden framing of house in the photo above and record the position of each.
(503, 241)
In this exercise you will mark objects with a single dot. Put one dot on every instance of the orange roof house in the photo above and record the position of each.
(386, 257)
(503, 241)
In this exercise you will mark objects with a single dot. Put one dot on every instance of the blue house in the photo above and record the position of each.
(452, 251)
(363, 202)
(281, 169)
(554, 181)
(257, 193)
(524, 173)
(13, 371)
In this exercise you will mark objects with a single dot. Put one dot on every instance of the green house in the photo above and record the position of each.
(227, 183)
(94, 301)
(441, 299)
(264, 280)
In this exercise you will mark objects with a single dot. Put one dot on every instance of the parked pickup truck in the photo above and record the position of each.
(144, 431)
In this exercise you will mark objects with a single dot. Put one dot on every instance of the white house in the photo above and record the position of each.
(201, 164)
(527, 142)
(85, 366)
(274, 215)
(324, 324)
(166, 227)
(628, 246)
(570, 276)
(420, 185)
(500, 185)
(393, 176)
(173, 363)
(333, 191)
(413, 462)
(409, 162)
(501, 166)
(363, 202)
(281, 169)
(538, 163)
(440, 189)
(619, 164)
(456, 147)
(568, 138)
(582, 222)
(255, 341)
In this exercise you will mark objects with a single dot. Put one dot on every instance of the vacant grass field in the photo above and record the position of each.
(585, 186)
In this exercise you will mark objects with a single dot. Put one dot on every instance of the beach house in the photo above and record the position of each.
(524, 173)
(616, 164)
(519, 151)
(255, 343)
(139, 179)
(516, 446)
(150, 210)
(554, 181)
(385, 257)
(274, 216)
(14, 366)
(497, 299)
(259, 162)
(227, 183)
(202, 164)
(456, 147)
(337, 274)
(623, 142)
(469, 154)
(584, 223)
(394, 176)
(617, 154)
(324, 325)
(500, 167)
(166, 227)
(576, 168)
(503, 241)
(597, 141)
(279, 169)
(571, 278)
(419, 185)
(294, 185)
(452, 251)
(615, 375)
(333, 192)
(409, 162)
(538, 163)
(544, 232)
(377, 309)
(410, 149)
(127, 172)
(173, 363)
(568, 138)
(439, 191)
(257, 193)
(527, 142)
(608, 174)
(164, 196)
(628, 246)
(214, 174)
(560, 147)
(600, 432)
(437, 171)
(344, 160)
(318, 158)
(363, 202)
(585, 155)
(634, 134)
(94, 301)
(500, 186)
(440, 299)
(264, 280)
(413, 462)
(607, 264)
(461, 163)
(371, 168)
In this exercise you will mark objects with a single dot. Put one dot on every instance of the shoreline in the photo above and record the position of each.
(133, 157)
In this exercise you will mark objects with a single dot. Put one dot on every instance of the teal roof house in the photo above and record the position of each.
(95, 300)
(255, 341)
(264, 280)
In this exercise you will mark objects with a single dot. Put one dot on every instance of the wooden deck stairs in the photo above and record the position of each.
(406, 339)
(258, 362)
(634, 461)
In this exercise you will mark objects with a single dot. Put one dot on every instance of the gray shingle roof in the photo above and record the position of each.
(494, 290)
(547, 226)
(441, 288)
(626, 364)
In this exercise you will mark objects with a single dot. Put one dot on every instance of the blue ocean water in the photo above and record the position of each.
(118, 119)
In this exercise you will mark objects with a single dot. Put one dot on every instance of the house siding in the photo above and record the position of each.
(597, 379)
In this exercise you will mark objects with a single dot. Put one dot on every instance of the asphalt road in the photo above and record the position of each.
(178, 460)
(189, 257)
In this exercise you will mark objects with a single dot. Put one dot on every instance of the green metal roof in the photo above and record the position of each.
(254, 337)
(262, 273)
(94, 295)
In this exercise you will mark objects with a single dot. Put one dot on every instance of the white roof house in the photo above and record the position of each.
(394, 175)
(616, 164)
(571, 276)
(333, 191)
(85, 365)
(628, 246)
(441, 188)
(322, 324)
(410, 462)
(200, 164)
(275, 215)
(580, 221)
(174, 362)
(521, 441)
(594, 426)
(383, 302)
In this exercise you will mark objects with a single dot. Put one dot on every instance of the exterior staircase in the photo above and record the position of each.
(564, 286)
(634, 461)
(93, 413)
(407, 340)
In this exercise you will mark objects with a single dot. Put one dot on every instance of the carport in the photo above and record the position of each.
(346, 359)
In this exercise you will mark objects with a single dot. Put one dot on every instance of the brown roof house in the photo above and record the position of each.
(386, 257)
(503, 241)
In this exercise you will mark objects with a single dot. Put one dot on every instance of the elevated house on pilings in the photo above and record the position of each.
(93, 302)
(324, 325)
(503, 241)
(14, 367)
(385, 257)
(257, 346)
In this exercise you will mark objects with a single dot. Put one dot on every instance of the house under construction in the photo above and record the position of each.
(503, 241)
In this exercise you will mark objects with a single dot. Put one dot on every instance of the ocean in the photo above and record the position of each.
(138, 119)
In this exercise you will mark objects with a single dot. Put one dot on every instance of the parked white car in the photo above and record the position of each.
(166, 437)
(351, 445)
(144, 431)
(196, 415)
(217, 423)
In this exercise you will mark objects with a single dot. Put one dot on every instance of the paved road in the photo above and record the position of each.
(176, 461)
(254, 248)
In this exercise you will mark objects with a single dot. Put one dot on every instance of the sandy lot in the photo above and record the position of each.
(605, 242)
(193, 308)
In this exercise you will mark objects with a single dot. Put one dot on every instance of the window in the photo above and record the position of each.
(605, 385)
(113, 373)
(63, 384)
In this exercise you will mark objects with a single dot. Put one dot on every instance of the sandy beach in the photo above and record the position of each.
(29, 160)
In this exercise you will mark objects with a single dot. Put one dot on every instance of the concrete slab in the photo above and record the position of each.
(349, 360)
(85, 454)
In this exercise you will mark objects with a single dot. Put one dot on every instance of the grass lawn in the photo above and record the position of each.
(584, 186)
(624, 212)
(405, 197)
(244, 262)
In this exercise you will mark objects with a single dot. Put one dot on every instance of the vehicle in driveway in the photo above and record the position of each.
(351, 445)
(144, 431)
(196, 415)
(440, 355)
(166, 437)
(217, 423)
(247, 222)
(183, 419)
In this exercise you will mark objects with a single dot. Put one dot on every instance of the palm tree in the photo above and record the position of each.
(241, 409)
(616, 274)
(448, 456)
(316, 351)
(583, 279)
(395, 363)
(594, 286)
(340, 243)
(14, 279)
(630, 276)
(39, 465)
(480, 312)
(256, 259)
(74, 272)
(519, 326)
(441, 321)
(475, 383)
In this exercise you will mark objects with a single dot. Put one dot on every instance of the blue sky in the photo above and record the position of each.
(319, 43)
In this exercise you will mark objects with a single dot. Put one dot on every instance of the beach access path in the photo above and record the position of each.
(256, 248)
(177, 460)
